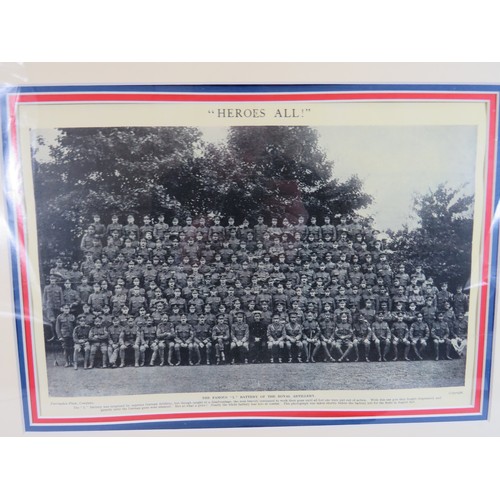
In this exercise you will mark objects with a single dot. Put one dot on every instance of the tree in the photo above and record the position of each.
(442, 241)
(285, 173)
(103, 170)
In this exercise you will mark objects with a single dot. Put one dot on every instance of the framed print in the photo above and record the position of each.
(251, 255)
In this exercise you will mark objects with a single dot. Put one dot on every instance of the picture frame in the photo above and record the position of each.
(74, 414)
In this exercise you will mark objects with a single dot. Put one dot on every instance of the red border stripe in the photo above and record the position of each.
(490, 98)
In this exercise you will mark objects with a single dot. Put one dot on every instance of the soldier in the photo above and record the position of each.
(399, 332)
(460, 302)
(310, 327)
(114, 226)
(362, 334)
(419, 335)
(147, 341)
(440, 334)
(129, 341)
(294, 338)
(52, 301)
(239, 339)
(220, 336)
(344, 338)
(115, 332)
(257, 337)
(165, 336)
(459, 340)
(183, 340)
(65, 324)
(382, 332)
(276, 335)
(202, 339)
(99, 340)
(81, 341)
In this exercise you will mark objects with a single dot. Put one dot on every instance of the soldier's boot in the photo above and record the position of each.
(190, 356)
(407, 352)
(417, 352)
(162, 356)
(395, 352)
(387, 346)
(198, 354)
(448, 351)
(209, 354)
(105, 358)
(86, 359)
(356, 352)
(315, 351)
(436, 350)
(142, 357)
(153, 357)
(75, 360)
(136, 356)
(170, 354)
(92, 359)
(379, 354)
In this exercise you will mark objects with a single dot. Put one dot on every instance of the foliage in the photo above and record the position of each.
(266, 171)
(442, 241)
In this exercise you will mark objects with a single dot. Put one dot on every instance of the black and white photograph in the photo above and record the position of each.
(254, 258)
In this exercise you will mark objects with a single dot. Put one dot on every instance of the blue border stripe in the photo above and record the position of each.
(14, 252)
(266, 88)
(241, 423)
(229, 88)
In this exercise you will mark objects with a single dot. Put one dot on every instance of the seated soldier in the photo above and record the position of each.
(440, 334)
(257, 337)
(129, 341)
(399, 332)
(81, 341)
(183, 340)
(166, 339)
(202, 339)
(459, 340)
(344, 338)
(239, 339)
(294, 337)
(276, 335)
(419, 335)
(98, 337)
(220, 337)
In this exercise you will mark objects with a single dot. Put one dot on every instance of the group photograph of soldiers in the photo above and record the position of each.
(216, 290)
(246, 259)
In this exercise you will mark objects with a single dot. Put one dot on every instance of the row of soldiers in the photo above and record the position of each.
(252, 339)
(278, 270)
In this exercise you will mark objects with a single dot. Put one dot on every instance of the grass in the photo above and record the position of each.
(67, 382)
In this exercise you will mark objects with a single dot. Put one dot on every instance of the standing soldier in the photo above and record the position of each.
(65, 324)
(99, 340)
(81, 341)
(52, 301)
(71, 297)
(239, 339)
